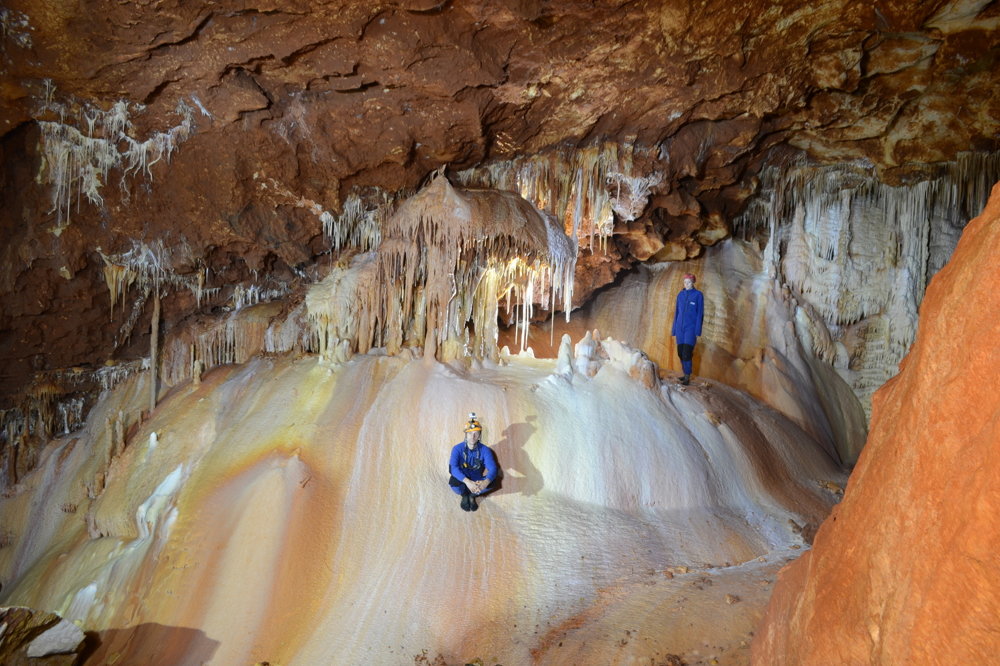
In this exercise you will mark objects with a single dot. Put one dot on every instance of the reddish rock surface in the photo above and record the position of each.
(904, 571)
(296, 104)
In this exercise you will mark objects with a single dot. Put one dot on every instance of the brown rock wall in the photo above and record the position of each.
(295, 104)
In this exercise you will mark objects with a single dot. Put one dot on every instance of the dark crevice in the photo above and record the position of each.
(261, 12)
(157, 91)
(363, 87)
(193, 35)
(436, 9)
(252, 66)
(337, 75)
(296, 55)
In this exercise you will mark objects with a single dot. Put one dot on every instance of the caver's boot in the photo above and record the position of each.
(686, 380)
(473, 505)
(466, 501)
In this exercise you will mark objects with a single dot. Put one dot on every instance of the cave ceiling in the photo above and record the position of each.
(281, 109)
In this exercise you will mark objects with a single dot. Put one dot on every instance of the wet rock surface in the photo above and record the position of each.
(624, 517)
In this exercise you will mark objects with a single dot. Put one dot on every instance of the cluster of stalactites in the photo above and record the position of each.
(446, 259)
(146, 267)
(54, 404)
(361, 219)
(87, 143)
(245, 296)
(44, 411)
(584, 189)
(858, 254)
(234, 338)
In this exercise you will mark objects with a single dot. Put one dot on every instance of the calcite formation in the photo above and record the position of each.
(257, 260)
(858, 254)
(249, 141)
(902, 571)
(297, 511)
(749, 339)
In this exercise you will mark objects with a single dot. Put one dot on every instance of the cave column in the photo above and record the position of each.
(154, 340)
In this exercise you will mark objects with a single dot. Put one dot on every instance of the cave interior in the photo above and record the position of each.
(259, 262)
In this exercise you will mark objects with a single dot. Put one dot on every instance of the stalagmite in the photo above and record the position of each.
(564, 359)
(118, 434)
(154, 339)
(643, 370)
(585, 353)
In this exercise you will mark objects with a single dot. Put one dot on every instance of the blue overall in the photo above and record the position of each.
(475, 464)
(688, 316)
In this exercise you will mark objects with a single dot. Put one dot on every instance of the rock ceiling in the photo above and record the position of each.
(285, 108)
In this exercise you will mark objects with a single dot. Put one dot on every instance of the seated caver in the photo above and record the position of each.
(473, 466)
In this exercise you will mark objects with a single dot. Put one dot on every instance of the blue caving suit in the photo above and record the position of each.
(475, 464)
(688, 316)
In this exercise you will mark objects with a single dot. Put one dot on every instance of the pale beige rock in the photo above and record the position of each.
(62, 638)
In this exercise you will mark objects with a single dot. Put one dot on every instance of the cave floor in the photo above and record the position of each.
(679, 615)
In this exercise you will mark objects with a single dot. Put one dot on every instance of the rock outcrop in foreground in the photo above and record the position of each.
(37, 638)
(904, 569)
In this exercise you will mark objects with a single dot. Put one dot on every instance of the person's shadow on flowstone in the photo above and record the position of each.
(520, 476)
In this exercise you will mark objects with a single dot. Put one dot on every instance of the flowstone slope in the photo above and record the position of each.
(756, 338)
(298, 512)
(904, 570)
